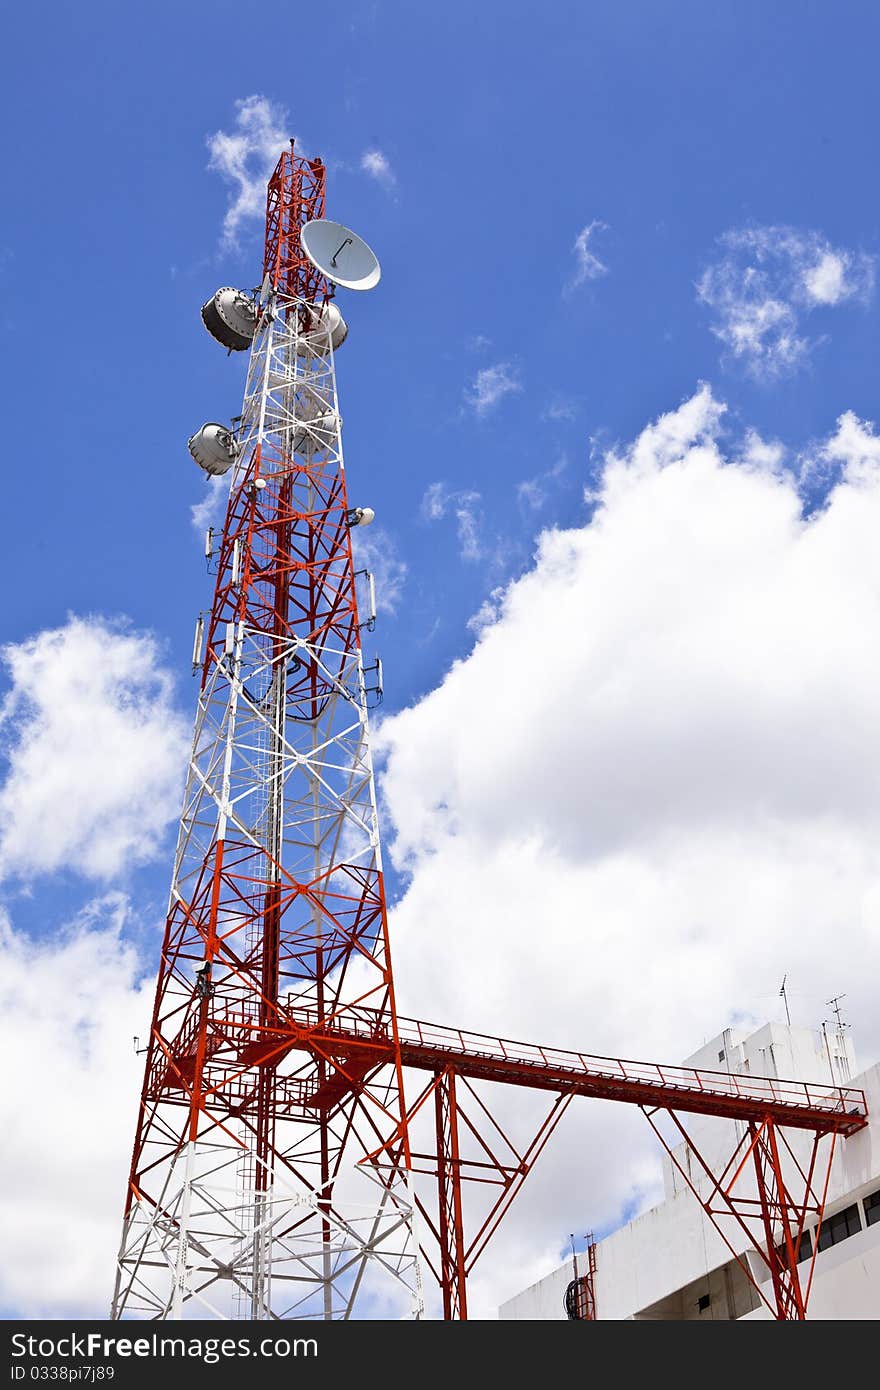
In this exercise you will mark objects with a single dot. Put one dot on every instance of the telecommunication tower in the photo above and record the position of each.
(273, 1174)
(251, 1192)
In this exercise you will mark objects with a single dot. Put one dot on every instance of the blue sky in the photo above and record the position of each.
(507, 136)
(582, 212)
(667, 128)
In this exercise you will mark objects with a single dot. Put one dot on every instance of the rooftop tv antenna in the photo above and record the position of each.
(785, 999)
(834, 1006)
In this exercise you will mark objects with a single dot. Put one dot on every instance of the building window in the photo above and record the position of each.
(703, 1302)
(721, 1055)
(804, 1250)
(839, 1227)
(872, 1207)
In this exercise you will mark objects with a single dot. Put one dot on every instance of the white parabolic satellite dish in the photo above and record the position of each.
(340, 254)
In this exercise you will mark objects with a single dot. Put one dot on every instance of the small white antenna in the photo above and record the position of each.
(370, 622)
(197, 642)
(372, 580)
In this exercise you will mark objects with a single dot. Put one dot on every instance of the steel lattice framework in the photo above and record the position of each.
(243, 1195)
(275, 1167)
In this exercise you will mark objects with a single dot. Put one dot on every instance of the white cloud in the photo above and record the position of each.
(71, 1007)
(767, 455)
(651, 790)
(852, 452)
(375, 163)
(464, 505)
(857, 447)
(826, 281)
(561, 408)
(533, 492)
(375, 550)
(95, 751)
(211, 511)
(587, 264)
(766, 281)
(491, 385)
(246, 156)
(488, 611)
(435, 502)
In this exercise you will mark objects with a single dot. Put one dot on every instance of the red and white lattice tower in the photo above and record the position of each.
(251, 1192)
(272, 1169)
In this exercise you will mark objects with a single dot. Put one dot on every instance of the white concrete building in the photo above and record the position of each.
(671, 1264)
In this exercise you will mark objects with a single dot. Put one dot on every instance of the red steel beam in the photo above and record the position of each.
(356, 1042)
(453, 1272)
(362, 1035)
(799, 1105)
(771, 1211)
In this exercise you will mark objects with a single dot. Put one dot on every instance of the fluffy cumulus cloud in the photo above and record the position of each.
(853, 450)
(651, 790)
(378, 166)
(491, 385)
(855, 446)
(71, 1007)
(245, 156)
(94, 750)
(765, 283)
